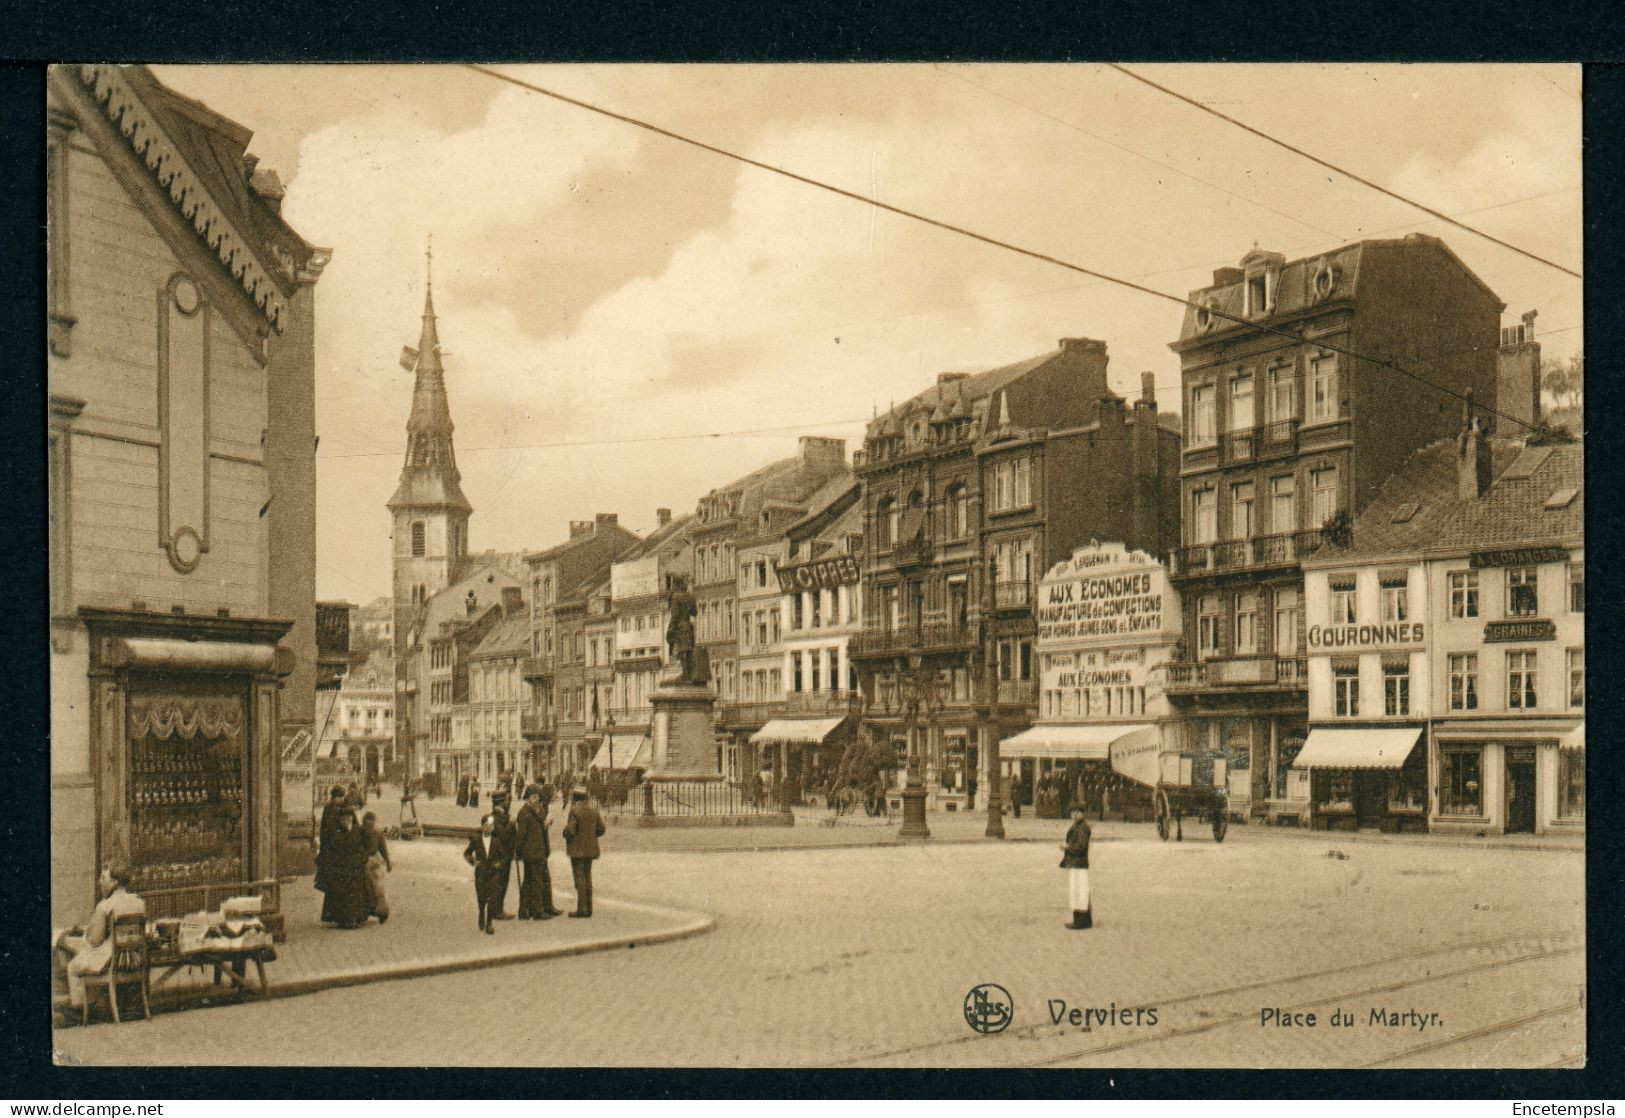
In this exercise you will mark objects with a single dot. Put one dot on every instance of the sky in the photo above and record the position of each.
(628, 322)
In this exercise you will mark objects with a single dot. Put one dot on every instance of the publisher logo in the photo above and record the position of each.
(989, 1008)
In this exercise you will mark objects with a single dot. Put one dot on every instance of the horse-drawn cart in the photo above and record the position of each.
(1191, 784)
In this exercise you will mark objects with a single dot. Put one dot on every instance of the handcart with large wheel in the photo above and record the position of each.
(1191, 784)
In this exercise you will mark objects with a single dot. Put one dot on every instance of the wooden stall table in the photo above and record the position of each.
(229, 958)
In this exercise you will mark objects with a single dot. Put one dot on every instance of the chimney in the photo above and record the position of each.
(1084, 361)
(828, 454)
(1517, 372)
(513, 601)
(605, 520)
(1082, 345)
(268, 185)
(662, 517)
(1224, 277)
(580, 528)
(949, 378)
(1148, 388)
(1472, 455)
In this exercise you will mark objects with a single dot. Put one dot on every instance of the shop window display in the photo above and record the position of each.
(1462, 781)
(186, 792)
(1571, 784)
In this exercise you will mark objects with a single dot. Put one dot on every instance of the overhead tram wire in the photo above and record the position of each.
(1363, 181)
(984, 238)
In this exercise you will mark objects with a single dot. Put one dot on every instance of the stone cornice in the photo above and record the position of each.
(140, 128)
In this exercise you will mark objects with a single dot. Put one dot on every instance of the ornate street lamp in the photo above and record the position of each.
(914, 686)
(995, 767)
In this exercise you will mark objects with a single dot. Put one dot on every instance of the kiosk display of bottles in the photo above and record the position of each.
(186, 812)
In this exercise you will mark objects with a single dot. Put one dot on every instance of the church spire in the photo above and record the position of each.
(429, 477)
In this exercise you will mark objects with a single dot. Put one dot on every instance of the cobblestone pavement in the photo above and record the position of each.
(865, 957)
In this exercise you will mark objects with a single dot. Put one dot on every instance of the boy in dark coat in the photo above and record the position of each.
(581, 834)
(1075, 860)
(532, 847)
(502, 845)
(486, 875)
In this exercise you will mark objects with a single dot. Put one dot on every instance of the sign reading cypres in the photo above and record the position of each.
(820, 574)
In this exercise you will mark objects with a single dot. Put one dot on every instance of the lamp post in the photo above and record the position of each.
(914, 826)
(995, 767)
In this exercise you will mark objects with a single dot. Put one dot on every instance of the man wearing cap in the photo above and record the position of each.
(1075, 860)
(531, 846)
(581, 834)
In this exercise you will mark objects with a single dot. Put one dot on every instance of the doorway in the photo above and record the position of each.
(1520, 793)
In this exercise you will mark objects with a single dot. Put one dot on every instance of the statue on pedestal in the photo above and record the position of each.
(692, 665)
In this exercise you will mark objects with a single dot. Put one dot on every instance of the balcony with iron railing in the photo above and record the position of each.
(1240, 445)
(1282, 549)
(943, 636)
(1278, 438)
(1259, 673)
(535, 725)
(536, 667)
(1013, 595)
(1015, 692)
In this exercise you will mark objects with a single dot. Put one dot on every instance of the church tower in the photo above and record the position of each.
(429, 510)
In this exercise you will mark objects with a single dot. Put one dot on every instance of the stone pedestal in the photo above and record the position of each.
(683, 745)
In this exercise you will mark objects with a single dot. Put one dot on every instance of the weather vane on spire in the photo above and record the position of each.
(428, 255)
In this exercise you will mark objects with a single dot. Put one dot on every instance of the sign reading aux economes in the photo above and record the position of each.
(1105, 593)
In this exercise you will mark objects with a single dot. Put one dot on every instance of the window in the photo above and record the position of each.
(1461, 785)
(1026, 660)
(1286, 622)
(798, 613)
(815, 665)
(1571, 784)
(1241, 510)
(1344, 602)
(1283, 504)
(1207, 626)
(761, 574)
(1283, 395)
(1346, 691)
(1463, 594)
(1463, 681)
(1246, 623)
(1242, 415)
(817, 611)
(885, 523)
(1203, 430)
(1204, 516)
(1396, 689)
(1522, 597)
(418, 539)
(1577, 678)
(1323, 389)
(1521, 680)
(1257, 295)
(958, 512)
(773, 624)
(1324, 485)
(761, 626)
(1395, 604)
(1577, 588)
(1023, 493)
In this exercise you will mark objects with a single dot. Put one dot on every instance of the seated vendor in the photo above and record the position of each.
(92, 949)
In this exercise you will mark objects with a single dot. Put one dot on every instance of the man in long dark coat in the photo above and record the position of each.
(532, 847)
(478, 855)
(581, 834)
(502, 849)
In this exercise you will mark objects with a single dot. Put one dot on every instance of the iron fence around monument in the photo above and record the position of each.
(705, 797)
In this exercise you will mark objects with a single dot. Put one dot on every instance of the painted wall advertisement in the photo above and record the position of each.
(1105, 593)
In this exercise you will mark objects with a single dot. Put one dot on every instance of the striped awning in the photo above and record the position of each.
(1060, 742)
(1574, 740)
(631, 751)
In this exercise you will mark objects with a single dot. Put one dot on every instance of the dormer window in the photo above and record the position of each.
(1257, 294)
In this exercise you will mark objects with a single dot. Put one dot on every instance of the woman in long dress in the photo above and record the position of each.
(1075, 861)
(347, 873)
(324, 842)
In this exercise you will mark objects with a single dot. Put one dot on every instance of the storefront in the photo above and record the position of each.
(1108, 624)
(1363, 777)
(801, 753)
(1509, 778)
(185, 749)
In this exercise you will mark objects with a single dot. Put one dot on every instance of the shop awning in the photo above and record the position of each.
(1069, 743)
(1574, 740)
(631, 752)
(796, 731)
(1369, 747)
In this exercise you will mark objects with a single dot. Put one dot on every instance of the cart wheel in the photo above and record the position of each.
(1162, 815)
(1221, 823)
